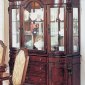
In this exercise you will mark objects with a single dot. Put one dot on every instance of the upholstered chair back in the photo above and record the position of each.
(20, 67)
(2, 52)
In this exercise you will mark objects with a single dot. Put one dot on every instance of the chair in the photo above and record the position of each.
(2, 56)
(20, 68)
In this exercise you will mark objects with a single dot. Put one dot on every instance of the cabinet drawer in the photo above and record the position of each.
(39, 59)
(57, 60)
(37, 80)
(36, 63)
(37, 74)
(76, 60)
(37, 68)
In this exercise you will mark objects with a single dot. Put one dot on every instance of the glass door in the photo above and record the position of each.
(56, 25)
(75, 30)
(15, 25)
(33, 26)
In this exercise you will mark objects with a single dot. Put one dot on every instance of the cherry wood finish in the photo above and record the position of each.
(48, 67)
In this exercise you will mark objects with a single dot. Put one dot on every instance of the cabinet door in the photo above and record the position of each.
(33, 25)
(56, 28)
(73, 70)
(57, 75)
(75, 30)
(14, 20)
(76, 74)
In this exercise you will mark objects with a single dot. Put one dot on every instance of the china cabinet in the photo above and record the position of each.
(50, 30)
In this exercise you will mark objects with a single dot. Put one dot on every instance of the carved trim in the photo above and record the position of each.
(69, 6)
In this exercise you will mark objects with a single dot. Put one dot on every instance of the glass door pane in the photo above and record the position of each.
(15, 28)
(75, 30)
(33, 25)
(57, 28)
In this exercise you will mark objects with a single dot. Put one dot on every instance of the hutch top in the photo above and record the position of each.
(50, 27)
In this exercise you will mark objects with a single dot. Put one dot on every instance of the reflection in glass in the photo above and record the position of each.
(15, 28)
(75, 29)
(60, 1)
(34, 27)
(57, 29)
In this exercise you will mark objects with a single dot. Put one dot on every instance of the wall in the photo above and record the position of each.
(82, 41)
(1, 20)
(6, 28)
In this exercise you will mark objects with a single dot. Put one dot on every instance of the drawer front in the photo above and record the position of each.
(37, 74)
(74, 60)
(37, 71)
(37, 68)
(57, 60)
(37, 80)
(38, 58)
